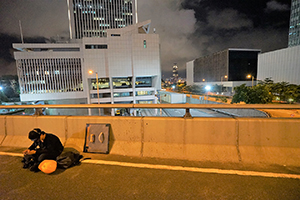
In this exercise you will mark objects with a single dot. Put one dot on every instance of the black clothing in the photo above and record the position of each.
(49, 149)
(50, 145)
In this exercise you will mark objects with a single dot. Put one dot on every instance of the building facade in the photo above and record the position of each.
(228, 68)
(127, 63)
(91, 18)
(294, 30)
(280, 65)
(106, 40)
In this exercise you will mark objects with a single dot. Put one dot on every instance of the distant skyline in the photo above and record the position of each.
(188, 29)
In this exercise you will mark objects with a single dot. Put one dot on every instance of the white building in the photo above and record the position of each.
(280, 65)
(127, 62)
(294, 30)
(91, 18)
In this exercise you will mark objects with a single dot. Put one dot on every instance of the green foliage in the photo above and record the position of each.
(3, 97)
(10, 87)
(195, 89)
(241, 94)
(224, 99)
(258, 94)
(181, 87)
(283, 91)
(266, 91)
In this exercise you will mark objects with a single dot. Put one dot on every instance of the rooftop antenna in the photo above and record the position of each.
(20, 25)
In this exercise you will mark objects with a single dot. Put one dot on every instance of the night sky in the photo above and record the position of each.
(188, 29)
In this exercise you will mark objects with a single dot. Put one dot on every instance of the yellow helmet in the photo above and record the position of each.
(48, 166)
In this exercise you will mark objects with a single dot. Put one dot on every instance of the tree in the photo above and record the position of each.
(195, 89)
(181, 87)
(241, 94)
(3, 98)
(258, 94)
(217, 88)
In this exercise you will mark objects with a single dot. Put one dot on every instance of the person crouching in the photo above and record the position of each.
(44, 146)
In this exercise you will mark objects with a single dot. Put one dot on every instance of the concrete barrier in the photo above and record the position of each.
(248, 140)
(275, 141)
(200, 139)
(18, 127)
(125, 133)
(2, 128)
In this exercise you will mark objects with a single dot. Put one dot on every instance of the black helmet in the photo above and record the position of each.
(34, 134)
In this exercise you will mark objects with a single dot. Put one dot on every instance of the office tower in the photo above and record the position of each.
(294, 32)
(91, 18)
(175, 70)
(233, 65)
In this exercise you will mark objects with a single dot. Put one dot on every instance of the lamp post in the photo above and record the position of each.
(252, 77)
(222, 82)
(91, 72)
(207, 88)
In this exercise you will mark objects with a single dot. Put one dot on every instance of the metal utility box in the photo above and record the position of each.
(97, 138)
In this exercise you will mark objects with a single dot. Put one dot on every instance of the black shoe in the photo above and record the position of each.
(35, 168)
(25, 166)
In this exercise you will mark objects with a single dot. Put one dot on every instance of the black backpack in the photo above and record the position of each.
(68, 159)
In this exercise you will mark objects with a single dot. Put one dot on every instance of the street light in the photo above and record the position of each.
(222, 82)
(207, 88)
(91, 72)
(252, 77)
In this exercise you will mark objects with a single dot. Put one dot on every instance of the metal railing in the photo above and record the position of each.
(187, 107)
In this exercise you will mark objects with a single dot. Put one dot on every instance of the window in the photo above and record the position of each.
(122, 82)
(96, 46)
(103, 83)
(144, 93)
(115, 35)
(123, 94)
(101, 95)
(143, 82)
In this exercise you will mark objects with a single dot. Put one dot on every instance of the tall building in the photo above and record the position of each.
(229, 68)
(126, 61)
(175, 70)
(91, 18)
(280, 65)
(294, 32)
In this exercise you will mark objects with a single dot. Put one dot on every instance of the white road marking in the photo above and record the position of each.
(180, 168)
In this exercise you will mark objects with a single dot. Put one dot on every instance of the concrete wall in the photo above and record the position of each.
(248, 140)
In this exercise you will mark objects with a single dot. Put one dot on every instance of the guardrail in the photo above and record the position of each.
(187, 107)
(166, 106)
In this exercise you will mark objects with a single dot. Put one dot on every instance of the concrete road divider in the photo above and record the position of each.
(249, 140)
(2, 129)
(18, 127)
(275, 141)
(201, 139)
(125, 133)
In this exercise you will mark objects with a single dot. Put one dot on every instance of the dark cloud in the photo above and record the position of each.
(259, 24)
(188, 29)
(276, 6)
(7, 62)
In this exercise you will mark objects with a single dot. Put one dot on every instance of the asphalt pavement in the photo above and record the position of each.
(119, 177)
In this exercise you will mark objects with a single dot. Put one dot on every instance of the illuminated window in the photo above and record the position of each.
(96, 46)
(144, 93)
(122, 82)
(143, 82)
